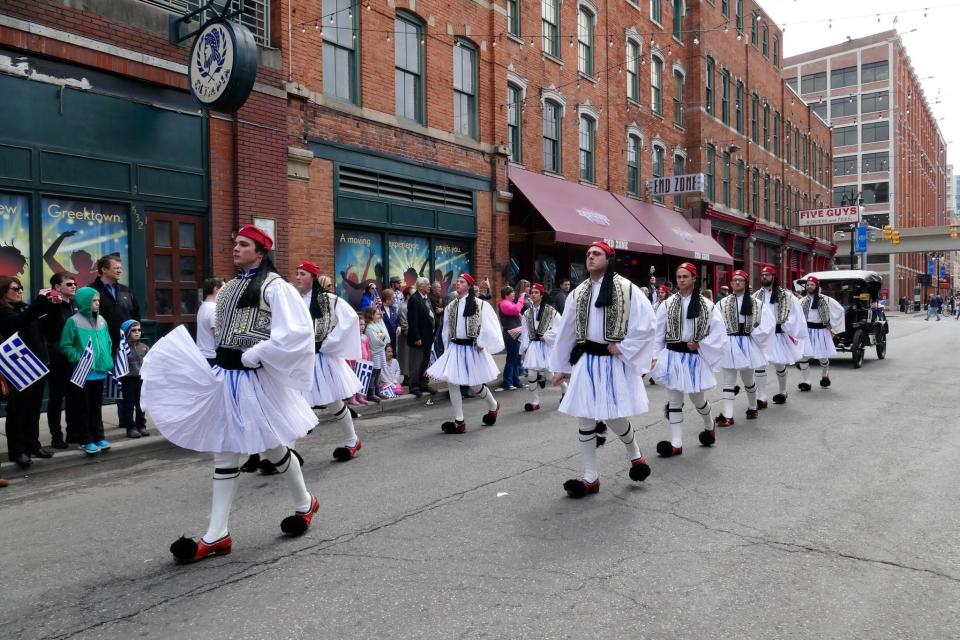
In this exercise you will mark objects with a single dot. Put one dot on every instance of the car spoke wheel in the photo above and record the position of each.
(881, 345)
(858, 350)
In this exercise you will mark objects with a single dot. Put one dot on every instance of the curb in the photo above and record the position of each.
(122, 446)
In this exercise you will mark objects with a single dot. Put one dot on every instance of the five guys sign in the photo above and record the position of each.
(835, 215)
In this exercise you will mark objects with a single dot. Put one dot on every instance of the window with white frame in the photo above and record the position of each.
(710, 173)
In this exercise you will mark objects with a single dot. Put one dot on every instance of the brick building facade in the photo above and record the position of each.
(888, 148)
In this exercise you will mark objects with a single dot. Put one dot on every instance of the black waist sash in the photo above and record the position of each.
(741, 330)
(317, 346)
(589, 347)
(816, 325)
(779, 328)
(230, 359)
(464, 341)
(679, 347)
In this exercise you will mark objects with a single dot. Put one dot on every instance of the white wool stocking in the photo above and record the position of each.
(532, 377)
(226, 478)
(729, 385)
(761, 378)
(700, 401)
(627, 435)
(805, 370)
(487, 395)
(289, 465)
(782, 377)
(456, 400)
(588, 448)
(750, 386)
(675, 416)
(342, 415)
(824, 367)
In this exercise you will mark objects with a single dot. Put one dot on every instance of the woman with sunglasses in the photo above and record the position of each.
(23, 407)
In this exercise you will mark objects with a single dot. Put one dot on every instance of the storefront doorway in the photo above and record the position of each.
(175, 255)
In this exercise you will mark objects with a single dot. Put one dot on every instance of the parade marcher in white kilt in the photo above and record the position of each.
(471, 335)
(535, 340)
(251, 401)
(749, 325)
(790, 331)
(604, 345)
(689, 344)
(336, 329)
(825, 317)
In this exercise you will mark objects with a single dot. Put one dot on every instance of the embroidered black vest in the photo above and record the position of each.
(327, 320)
(783, 306)
(731, 315)
(823, 308)
(473, 322)
(701, 324)
(615, 316)
(237, 328)
(547, 316)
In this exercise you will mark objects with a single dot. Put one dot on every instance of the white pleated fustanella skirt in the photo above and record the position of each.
(686, 372)
(819, 344)
(463, 364)
(537, 356)
(216, 410)
(604, 388)
(333, 380)
(783, 350)
(742, 352)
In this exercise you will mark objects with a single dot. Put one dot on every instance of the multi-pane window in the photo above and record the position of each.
(585, 27)
(844, 136)
(755, 193)
(677, 98)
(340, 51)
(633, 165)
(846, 77)
(725, 8)
(739, 106)
(776, 51)
(806, 154)
(464, 89)
(740, 16)
(678, 162)
(766, 126)
(754, 24)
(777, 215)
(678, 19)
(819, 165)
(711, 171)
(872, 102)
(796, 147)
(814, 82)
(840, 107)
(514, 109)
(777, 150)
(845, 195)
(766, 196)
(633, 70)
(656, 85)
(588, 130)
(741, 170)
(788, 219)
(551, 136)
(792, 83)
(845, 166)
(513, 17)
(656, 11)
(755, 118)
(876, 192)
(408, 70)
(874, 71)
(786, 135)
(872, 162)
(550, 19)
(709, 85)
(725, 96)
(765, 41)
(725, 179)
(820, 109)
(657, 169)
(876, 132)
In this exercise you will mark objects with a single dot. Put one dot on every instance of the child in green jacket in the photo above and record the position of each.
(86, 403)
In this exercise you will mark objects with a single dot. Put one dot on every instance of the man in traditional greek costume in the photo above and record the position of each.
(790, 331)
(689, 343)
(251, 401)
(535, 339)
(471, 334)
(336, 329)
(749, 325)
(604, 345)
(825, 317)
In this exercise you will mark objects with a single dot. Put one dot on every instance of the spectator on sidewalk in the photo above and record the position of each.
(403, 327)
(378, 338)
(933, 307)
(510, 319)
(206, 318)
(559, 295)
(391, 312)
(117, 301)
(86, 325)
(23, 407)
(59, 377)
(128, 408)
(420, 328)
(390, 374)
(371, 297)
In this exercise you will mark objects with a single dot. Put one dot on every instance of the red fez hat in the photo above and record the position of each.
(256, 234)
(768, 269)
(688, 266)
(740, 273)
(537, 287)
(603, 246)
(309, 267)
(468, 278)
(813, 279)
(663, 288)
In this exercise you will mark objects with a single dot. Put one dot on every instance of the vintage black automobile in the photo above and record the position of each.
(859, 293)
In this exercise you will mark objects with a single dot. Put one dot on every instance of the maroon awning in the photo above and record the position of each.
(675, 233)
(580, 214)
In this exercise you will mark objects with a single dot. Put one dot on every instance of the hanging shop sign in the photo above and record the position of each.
(832, 215)
(674, 185)
(222, 65)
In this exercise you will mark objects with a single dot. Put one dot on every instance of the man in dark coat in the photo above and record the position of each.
(420, 331)
(117, 302)
(60, 370)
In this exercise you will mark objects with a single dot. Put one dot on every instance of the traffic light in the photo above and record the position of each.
(954, 231)
(895, 237)
(887, 232)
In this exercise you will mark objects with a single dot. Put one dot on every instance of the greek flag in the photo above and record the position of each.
(121, 366)
(364, 371)
(18, 364)
(113, 389)
(84, 365)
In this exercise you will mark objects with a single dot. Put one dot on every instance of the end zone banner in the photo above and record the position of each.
(835, 215)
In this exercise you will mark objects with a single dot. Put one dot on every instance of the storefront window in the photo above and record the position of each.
(358, 261)
(409, 258)
(77, 233)
(15, 238)
(450, 260)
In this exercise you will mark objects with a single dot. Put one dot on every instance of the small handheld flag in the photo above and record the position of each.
(84, 364)
(20, 365)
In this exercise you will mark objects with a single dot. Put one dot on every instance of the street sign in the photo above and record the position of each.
(675, 185)
(931, 267)
(860, 239)
(833, 215)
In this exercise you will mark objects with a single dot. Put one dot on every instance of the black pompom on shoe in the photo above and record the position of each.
(780, 398)
(639, 470)
(665, 449)
(490, 417)
(577, 488)
(708, 437)
(804, 386)
(761, 404)
(824, 382)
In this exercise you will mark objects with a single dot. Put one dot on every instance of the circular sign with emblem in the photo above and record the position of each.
(223, 65)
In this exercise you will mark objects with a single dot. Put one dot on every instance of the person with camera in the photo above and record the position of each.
(23, 407)
(63, 286)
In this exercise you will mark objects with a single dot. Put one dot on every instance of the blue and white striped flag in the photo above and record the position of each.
(364, 371)
(18, 364)
(113, 389)
(121, 366)
(84, 364)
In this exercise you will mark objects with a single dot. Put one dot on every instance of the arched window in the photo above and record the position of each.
(709, 84)
(634, 143)
(634, 52)
(765, 42)
(678, 82)
(514, 121)
(659, 151)
(588, 133)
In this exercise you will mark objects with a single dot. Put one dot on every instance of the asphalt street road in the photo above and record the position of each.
(834, 516)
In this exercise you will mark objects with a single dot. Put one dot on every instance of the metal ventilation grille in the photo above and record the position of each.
(369, 183)
(254, 14)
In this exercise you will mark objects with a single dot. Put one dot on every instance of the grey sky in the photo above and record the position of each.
(933, 48)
